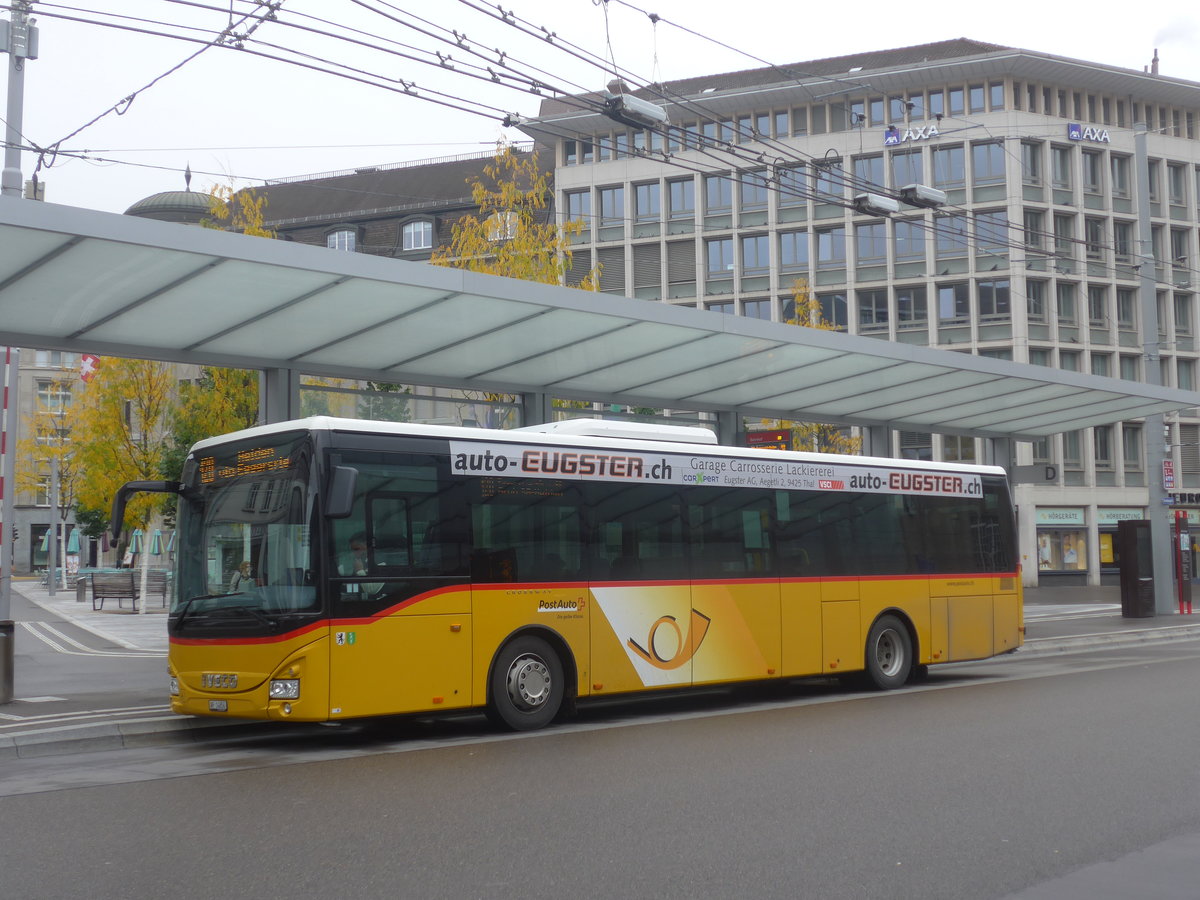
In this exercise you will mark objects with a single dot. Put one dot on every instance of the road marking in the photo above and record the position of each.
(51, 637)
(81, 715)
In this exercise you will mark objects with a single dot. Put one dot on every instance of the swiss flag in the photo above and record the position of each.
(87, 366)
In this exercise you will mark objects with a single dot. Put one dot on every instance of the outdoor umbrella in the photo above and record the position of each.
(156, 548)
(135, 541)
(73, 541)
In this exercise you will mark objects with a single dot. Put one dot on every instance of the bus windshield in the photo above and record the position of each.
(246, 518)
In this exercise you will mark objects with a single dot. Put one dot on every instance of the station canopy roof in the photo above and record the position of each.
(86, 281)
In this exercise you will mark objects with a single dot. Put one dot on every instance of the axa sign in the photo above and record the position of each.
(1077, 132)
(894, 135)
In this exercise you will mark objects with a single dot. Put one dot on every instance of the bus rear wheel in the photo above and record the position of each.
(527, 685)
(889, 657)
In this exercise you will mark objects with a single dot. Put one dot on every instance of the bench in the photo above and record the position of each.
(117, 586)
(126, 585)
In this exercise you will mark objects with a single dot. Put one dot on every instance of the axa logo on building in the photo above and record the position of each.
(1077, 132)
(894, 135)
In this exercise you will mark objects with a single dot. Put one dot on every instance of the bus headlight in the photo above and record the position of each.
(285, 689)
(173, 686)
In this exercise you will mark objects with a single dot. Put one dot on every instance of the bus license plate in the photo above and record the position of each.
(218, 706)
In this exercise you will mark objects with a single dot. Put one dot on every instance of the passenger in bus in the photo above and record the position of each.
(241, 578)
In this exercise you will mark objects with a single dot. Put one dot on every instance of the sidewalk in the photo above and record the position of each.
(130, 707)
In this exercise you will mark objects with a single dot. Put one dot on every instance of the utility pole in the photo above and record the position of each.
(19, 39)
(1157, 448)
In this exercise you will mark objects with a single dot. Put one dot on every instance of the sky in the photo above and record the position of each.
(129, 112)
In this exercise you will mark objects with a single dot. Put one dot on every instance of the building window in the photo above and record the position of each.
(1031, 163)
(718, 194)
(1039, 357)
(907, 169)
(1102, 445)
(831, 248)
(1119, 168)
(987, 163)
(342, 239)
(868, 170)
(1123, 241)
(1034, 223)
(719, 254)
(1060, 169)
(647, 205)
(1131, 446)
(755, 189)
(991, 232)
(791, 189)
(957, 448)
(1130, 368)
(756, 255)
(1126, 308)
(757, 309)
(1185, 371)
(949, 167)
(1101, 364)
(1065, 295)
(951, 239)
(909, 241)
(911, 311)
(579, 207)
(1093, 172)
(829, 182)
(955, 97)
(1035, 300)
(916, 445)
(1068, 360)
(1093, 238)
(871, 243)
(503, 225)
(834, 309)
(793, 251)
(994, 300)
(1064, 236)
(872, 310)
(1176, 184)
(612, 206)
(1183, 314)
(954, 303)
(1097, 300)
(417, 235)
(681, 199)
(53, 397)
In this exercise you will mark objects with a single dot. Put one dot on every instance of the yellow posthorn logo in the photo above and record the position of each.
(686, 648)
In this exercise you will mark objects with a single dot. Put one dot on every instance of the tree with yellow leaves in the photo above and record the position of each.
(509, 236)
(120, 419)
(815, 436)
(242, 211)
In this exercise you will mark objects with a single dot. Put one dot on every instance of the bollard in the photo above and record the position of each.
(7, 634)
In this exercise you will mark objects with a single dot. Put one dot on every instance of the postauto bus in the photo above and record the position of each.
(402, 568)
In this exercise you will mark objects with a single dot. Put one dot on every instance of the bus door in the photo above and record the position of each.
(401, 626)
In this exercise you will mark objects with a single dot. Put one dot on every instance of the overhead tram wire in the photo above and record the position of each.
(405, 87)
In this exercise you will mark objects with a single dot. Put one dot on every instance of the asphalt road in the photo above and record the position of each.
(992, 778)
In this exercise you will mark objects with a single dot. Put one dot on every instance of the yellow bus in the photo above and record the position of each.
(332, 569)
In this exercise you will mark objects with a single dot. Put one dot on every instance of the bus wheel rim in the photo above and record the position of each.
(529, 683)
(889, 653)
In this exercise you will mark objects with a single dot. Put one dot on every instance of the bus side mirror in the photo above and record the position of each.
(339, 499)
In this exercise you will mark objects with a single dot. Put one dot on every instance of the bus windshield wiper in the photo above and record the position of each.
(186, 606)
(251, 611)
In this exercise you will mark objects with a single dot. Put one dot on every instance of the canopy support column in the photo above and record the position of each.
(278, 395)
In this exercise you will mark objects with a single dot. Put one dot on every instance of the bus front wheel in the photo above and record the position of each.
(527, 685)
(889, 658)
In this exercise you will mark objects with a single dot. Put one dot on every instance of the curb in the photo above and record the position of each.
(1109, 640)
(159, 731)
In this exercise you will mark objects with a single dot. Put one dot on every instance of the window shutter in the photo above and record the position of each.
(681, 262)
(647, 265)
(612, 271)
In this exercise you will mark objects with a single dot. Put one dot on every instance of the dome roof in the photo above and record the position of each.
(187, 207)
